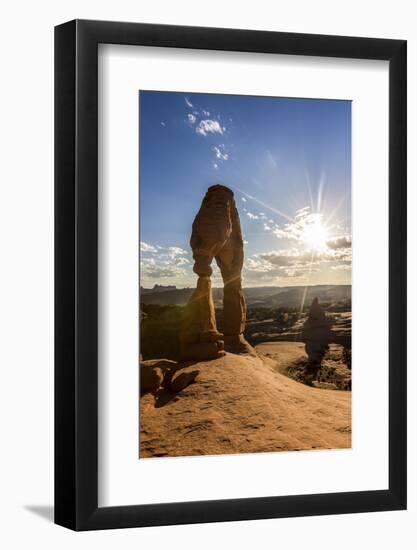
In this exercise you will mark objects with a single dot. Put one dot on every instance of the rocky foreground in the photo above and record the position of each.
(239, 404)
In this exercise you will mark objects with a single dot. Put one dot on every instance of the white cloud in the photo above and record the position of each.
(340, 255)
(220, 152)
(188, 102)
(191, 118)
(302, 211)
(163, 262)
(176, 251)
(334, 249)
(281, 233)
(295, 230)
(257, 269)
(181, 261)
(161, 251)
(208, 126)
(243, 199)
(163, 123)
(252, 216)
(295, 259)
(289, 257)
(215, 165)
(206, 113)
(303, 259)
(340, 242)
(272, 266)
(258, 265)
(147, 261)
(145, 247)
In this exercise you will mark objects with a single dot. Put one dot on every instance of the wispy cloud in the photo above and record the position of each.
(188, 102)
(192, 118)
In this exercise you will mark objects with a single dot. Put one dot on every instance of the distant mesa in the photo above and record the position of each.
(158, 289)
(266, 296)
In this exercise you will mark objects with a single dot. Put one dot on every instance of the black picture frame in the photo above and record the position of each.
(76, 271)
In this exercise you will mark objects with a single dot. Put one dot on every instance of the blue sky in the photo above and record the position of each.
(288, 162)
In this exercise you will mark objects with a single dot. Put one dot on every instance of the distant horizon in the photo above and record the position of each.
(251, 286)
(288, 163)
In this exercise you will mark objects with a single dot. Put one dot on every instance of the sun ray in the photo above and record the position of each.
(271, 208)
(336, 208)
(320, 190)
(310, 194)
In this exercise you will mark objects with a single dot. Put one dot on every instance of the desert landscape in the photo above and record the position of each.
(232, 370)
(245, 274)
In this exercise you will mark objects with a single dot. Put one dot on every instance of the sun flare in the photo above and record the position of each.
(315, 234)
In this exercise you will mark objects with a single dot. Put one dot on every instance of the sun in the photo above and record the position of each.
(315, 234)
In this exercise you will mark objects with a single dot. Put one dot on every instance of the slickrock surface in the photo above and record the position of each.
(238, 404)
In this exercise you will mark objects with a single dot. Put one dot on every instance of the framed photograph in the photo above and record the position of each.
(230, 255)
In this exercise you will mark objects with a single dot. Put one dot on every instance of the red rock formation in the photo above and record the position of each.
(216, 233)
(316, 334)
